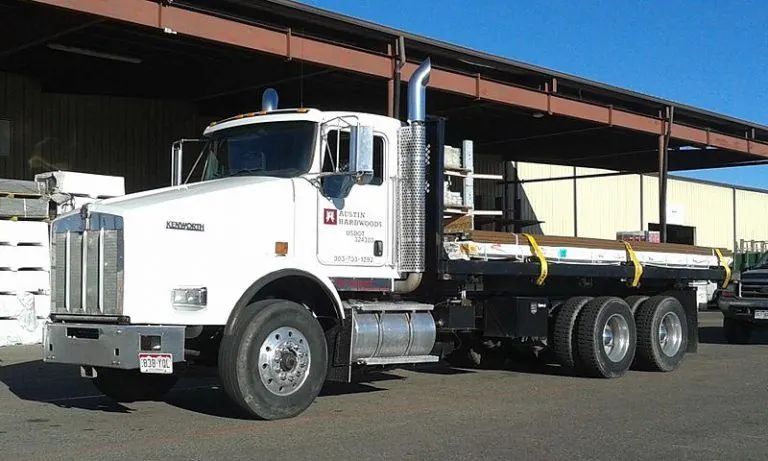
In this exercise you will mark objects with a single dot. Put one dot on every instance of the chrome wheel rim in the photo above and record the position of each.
(284, 361)
(616, 337)
(670, 334)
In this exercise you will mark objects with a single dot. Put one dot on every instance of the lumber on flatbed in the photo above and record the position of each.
(582, 242)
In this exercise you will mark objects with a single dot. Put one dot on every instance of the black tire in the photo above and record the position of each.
(634, 302)
(736, 332)
(241, 364)
(595, 361)
(564, 335)
(650, 354)
(126, 386)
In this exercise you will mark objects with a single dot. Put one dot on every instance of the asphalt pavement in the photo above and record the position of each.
(714, 408)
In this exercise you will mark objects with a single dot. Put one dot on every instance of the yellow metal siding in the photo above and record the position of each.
(551, 202)
(607, 205)
(650, 188)
(751, 215)
(611, 204)
(706, 207)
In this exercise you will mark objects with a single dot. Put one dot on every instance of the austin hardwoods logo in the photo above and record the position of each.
(329, 216)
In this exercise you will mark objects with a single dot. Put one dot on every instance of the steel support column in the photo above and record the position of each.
(398, 75)
(391, 85)
(663, 172)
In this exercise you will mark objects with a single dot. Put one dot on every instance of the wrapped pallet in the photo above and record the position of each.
(70, 190)
(24, 262)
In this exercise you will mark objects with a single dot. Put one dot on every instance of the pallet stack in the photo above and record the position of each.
(70, 190)
(24, 262)
(26, 209)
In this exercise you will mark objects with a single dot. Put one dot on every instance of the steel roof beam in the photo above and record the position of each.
(289, 45)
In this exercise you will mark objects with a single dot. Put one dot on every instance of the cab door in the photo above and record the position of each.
(355, 231)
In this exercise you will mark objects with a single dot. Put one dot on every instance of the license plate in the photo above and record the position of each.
(761, 315)
(156, 363)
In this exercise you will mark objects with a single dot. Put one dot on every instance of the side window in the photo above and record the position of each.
(337, 155)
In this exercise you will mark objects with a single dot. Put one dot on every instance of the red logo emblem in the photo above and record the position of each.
(329, 216)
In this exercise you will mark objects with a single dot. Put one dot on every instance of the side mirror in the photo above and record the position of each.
(361, 153)
(179, 164)
(177, 156)
(360, 168)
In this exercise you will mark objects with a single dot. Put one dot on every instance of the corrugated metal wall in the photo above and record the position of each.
(548, 201)
(607, 204)
(611, 204)
(751, 215)
(107, 135)
(707, 208)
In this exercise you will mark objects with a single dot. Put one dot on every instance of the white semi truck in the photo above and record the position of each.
(315, 243)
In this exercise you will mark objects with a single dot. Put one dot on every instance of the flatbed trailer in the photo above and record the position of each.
(359, 266)
(485, 284)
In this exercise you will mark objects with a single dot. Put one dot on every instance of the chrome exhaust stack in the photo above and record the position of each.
(412, 187)
(417, 92)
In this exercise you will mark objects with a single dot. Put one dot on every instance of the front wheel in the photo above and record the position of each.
(126, 386)
(274, 362)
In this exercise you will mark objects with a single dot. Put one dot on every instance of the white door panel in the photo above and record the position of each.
(355, 231)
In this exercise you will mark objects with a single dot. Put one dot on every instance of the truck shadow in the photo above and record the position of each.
(198, 391)
(55, 384)
(714, 335)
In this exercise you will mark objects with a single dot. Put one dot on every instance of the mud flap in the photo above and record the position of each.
(339, 367)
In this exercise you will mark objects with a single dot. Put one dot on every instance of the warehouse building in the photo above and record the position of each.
(106, 86)
(583, 202)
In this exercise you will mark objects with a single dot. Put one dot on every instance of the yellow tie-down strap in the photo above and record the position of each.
(725, 265)
(539, 254)
(635, 262)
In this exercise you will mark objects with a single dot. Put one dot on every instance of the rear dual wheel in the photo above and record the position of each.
(606, 337)
(595, 336)
(662, 334)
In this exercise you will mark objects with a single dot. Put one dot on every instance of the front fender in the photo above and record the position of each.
(268, 278)
(228, 289)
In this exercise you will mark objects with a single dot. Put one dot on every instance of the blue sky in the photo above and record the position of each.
(711, 54)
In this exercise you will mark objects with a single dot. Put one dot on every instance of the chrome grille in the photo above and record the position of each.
(87, 265)
(754, 290)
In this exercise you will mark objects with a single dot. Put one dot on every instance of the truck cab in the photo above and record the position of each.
(744, 303)
(280, 263)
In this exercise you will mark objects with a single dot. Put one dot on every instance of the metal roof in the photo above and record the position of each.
(467, 54)
(226, 48)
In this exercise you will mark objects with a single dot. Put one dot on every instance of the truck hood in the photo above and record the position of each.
(215, 190)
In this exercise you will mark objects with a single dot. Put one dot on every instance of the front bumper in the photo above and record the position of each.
(109, 346)
(745, 309)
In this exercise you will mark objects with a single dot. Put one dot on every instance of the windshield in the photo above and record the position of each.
(282, 149)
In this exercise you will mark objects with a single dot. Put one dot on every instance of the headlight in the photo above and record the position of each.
(189, 298)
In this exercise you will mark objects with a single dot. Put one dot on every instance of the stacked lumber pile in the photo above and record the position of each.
(26, 209)
(24, 262)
